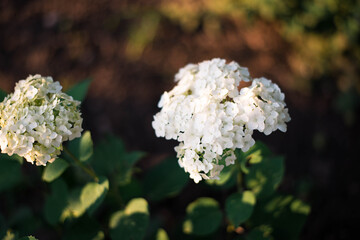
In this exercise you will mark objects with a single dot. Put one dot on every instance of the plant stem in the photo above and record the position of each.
(85, 168)
(239, 177)
(239, 180)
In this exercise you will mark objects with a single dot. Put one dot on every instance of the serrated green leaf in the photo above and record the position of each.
(2, 95)
(265, 176)
(165, 180)
(78, 92)
(239, 207)
(203, 217)
(54, 170)
(10, 172)
(56, 202)
(130, 223)
(284, 213)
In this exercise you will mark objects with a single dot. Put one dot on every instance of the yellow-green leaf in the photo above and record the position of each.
(203, 217)
(130, 223)
(54, 170)
(239, 207)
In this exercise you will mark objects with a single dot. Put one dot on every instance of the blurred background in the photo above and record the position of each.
(132, 50)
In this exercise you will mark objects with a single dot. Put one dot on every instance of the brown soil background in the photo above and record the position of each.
(71, 41)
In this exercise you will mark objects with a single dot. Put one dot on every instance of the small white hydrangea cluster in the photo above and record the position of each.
(210, 117)
(37, 118)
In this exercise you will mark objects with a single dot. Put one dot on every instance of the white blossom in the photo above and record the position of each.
(37, 118)
(210, 117)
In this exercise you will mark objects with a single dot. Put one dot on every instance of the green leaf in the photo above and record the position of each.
(242, 159)
(2, 95)
(108, 154)
(130, 223)
(239, 207)
(74, 208)
(10, 172)
(254, 155)
(84, 228)
(257, 152)
(284, 213)
(24, 220)
(260, 233)
(125, 167)
(165, 180)
(82, 148)
(93, 194)
(54, 170)
(10, 235)
(86, 147)
(133, 189)
(56, 202)
(141, 34)
(78, 92)
(87, 198)
(161, 235)
(110, 158)
(28, 238)
(227, 178)
(203, 217)
(265, 176)
(20, 215)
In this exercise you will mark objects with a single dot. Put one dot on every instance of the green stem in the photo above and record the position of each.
(239, 177)
(239, 180)
(85, 168)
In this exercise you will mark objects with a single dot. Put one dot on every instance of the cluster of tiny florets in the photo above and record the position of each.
(37, 118)
(210, 116)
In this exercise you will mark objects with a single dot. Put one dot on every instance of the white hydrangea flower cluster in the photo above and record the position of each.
(37, 118)
(210, 116)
